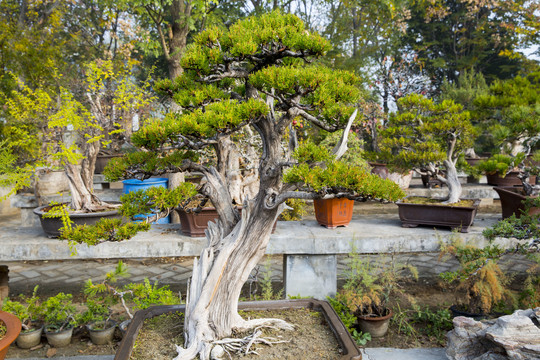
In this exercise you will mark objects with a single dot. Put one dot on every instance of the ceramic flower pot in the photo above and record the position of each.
(100, 335)
(512, 198)
(29, 339)
(51, 226)
(332, 213)
(13, 328)
(60, 338)
(455, 217)
(511, 179)
(377, 326)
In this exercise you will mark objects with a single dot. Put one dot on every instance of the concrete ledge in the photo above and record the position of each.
(369, 234)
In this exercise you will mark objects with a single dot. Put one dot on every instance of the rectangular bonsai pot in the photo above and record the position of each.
(350, 350)
(512, 198)
(455, 217)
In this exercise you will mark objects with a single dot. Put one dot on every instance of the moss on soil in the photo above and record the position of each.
(429, 201)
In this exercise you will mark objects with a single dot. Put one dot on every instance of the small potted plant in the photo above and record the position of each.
(480, 276)
(429, 137)
(368, 290)
(59, 319)
(30, 312)
(99, 324)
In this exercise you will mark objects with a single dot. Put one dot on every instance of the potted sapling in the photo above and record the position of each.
(59, 319)
(30, 311)
(429, 137)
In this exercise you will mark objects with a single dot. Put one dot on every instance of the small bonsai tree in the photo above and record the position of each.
(256, 75)
(78, 126)
(426, 135)
(59, 312)
(29, 310)
(480, 275)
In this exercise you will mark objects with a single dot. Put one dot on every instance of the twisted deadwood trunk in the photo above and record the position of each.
(218, 276)
(452, 181)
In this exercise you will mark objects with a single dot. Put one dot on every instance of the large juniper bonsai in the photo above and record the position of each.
(258, 75)
(428, 136)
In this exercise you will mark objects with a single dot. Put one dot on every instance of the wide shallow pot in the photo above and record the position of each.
(103, 160)
(136, 185)
(194, 224)
(31, 338)
(455, 217)
(457, 312)
(101, 336)
(377, 326)
(333, 212)
(51, 226)
(59, 338)
(512, 198)
(13, 328)
(349, 349)
(511, 179)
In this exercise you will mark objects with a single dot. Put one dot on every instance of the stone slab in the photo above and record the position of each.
(310, 275)
(368, 234)
(403, 354)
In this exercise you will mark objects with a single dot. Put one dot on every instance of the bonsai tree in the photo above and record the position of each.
(426, 135)
(77, 127)
(29, 310)
(480, 275)
(258, 75)
(59, 312)
(510, 113)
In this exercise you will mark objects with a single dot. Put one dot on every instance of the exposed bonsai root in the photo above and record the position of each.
(243, 346)
(260, 323)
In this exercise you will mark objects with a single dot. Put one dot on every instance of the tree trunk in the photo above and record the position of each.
(179, 30)
(218, 276)
(82, 198)
(452, 181)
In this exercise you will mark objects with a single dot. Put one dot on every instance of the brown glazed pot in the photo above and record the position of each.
(512, 198)
(455, 217)
(377, 326)
(51, 226)
(13, 327)
(349, 349)
(335, 212)
(510, 179)
(194, 224)
(103, 160)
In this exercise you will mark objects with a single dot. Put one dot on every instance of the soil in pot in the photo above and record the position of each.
(101, 332)
(311, 339)
(29, 338)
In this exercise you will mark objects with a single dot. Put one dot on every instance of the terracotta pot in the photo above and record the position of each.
(103, 160)
(59, 338)
(510, 179)
(335, 212)
(512, 198)
(193, 224)
(455, 217)
(101, 336)
(349, 350)
(31, 338)
(377, 326)
(13, 328)
(51, 226)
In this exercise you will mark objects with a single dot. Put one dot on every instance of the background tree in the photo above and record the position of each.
(257, 74)
(424, 135)
(455, 35)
